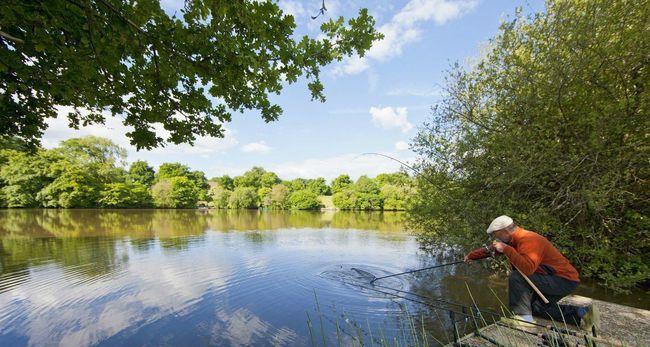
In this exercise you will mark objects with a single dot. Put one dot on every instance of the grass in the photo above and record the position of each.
(411, 330)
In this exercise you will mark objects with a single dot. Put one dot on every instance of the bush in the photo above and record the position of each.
(219, 196)
(345, 200)
(243, 197)
(279, 197)
(304, 200)
(78, 186)
(175, 192)
(125, 195)
(396, 198)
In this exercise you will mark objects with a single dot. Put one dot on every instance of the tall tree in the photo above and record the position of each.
(141, 172)
(131, 58)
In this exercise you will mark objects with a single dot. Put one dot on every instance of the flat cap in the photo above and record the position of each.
(499, 223)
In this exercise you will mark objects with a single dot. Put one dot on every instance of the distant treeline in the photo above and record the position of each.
(90, 172)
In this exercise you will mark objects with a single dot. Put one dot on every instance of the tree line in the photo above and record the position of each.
(91, 172)
(549, 126)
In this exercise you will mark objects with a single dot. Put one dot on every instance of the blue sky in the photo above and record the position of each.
(374, 104)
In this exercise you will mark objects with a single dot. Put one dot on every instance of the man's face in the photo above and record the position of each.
(502, 235)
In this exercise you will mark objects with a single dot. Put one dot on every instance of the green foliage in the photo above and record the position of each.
(319, 186)
(550, 127)
(92, 150)
(396, 179)
(345, 200)
(134, 59)
(243, 197)
(279, 198)
(87, 172)
(396, 197)
(78, 186)
(250, 178)
(175, 192)
(224, 181)
(341, 183)
(169, 170)
(304, 200)
(23, 175)
(125, 195)
(219, 196)
(297, 184)
(142, 173)
(268, 179)
(366, 185)
(264, 196)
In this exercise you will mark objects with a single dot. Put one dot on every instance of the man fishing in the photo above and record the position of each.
(533, 256)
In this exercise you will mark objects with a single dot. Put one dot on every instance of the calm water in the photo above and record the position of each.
(167, 277)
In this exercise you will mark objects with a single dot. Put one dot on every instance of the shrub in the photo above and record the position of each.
(304, 200)
(125, 195)
(243, 197)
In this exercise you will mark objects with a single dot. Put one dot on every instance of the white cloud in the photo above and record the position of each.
(410, 91)
(353, 164)
(391, 118)
(294, 8)
(401, 145)
(405, 28)
(351, 66)
(256, 147)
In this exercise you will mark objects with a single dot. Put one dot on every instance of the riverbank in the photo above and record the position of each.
(620, 326)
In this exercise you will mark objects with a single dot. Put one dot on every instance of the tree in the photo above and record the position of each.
(23, 175)
(319, 186)
(279, 198)
(549, 127)
(341, 183)
(396, 198)
(366, 185)
(77, 187)
(264, 196)
(243, 197)
(175, 192)
(297, 184)
(397, 179)
(169, 170)
(268, 179)
(92, 150)
(304, 200)
(141, 172)
(125, 195)
(133, 59)
(250, 178)
(345, 199)
(219, 196)
(224, 181)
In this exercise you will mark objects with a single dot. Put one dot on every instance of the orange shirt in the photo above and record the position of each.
(528, 250)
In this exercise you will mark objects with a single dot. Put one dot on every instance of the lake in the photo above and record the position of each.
(223, 278)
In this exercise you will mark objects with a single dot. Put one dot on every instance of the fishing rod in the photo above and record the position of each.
(407, 272)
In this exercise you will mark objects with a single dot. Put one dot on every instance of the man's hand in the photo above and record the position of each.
(467, 259)
(498, 246)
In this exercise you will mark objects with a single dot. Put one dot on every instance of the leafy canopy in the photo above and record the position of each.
(185, 74)
(549, 127)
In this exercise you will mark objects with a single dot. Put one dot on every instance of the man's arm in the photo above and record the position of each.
(527, 259)
(479, 253)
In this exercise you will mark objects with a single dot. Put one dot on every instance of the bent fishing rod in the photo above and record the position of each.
(408, 272)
